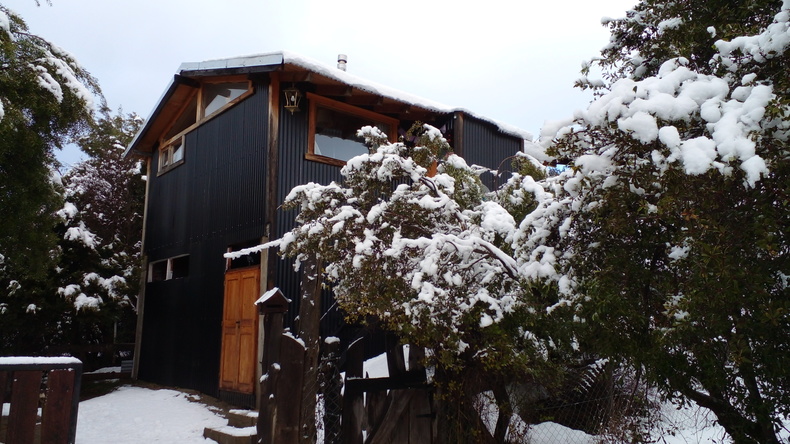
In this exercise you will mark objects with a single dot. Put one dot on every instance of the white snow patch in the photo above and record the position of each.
(132, 415)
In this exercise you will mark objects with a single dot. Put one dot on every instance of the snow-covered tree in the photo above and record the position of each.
(664, 246)
(46, 99)
(429, 258)
(99, 268)
(672, 222)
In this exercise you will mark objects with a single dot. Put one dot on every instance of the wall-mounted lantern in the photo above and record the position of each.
(292, 98)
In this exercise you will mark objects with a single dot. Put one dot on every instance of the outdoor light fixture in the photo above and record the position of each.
(292, 97)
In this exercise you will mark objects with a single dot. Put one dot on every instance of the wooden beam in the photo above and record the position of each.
(410, 379)
(334, 90)
(138, 332)
(272, 165)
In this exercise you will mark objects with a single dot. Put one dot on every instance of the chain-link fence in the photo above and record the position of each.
(608, 411)
(599, 407)
(330, 408)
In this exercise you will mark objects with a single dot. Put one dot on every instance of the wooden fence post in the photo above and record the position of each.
(309, 333)
(353, 406)
(21, 380)
(272, 305)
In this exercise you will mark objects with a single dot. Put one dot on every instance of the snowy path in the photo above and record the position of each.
(136, 415)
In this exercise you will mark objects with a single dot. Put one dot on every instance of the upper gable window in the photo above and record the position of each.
(186, 119)
(217, 95)
(333, 130)
(208, 100)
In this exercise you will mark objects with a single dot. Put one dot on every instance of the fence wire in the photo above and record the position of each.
(607, 409)
(329, 403)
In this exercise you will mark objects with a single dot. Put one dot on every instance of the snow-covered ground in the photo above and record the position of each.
(137, 415)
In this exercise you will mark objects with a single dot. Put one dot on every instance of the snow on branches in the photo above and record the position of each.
(54, 70)
(732, 107)
(426, 255)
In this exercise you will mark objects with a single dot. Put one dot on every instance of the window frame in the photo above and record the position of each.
(166, 154)
(316, 101)
(200, 116)
(168, 270)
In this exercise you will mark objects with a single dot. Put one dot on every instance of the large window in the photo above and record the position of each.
(213, 96)
(333, 130)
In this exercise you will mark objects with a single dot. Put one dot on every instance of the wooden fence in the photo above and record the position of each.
(27, 384)
(397, 409)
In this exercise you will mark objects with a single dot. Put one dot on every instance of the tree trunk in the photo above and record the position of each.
(740, 429)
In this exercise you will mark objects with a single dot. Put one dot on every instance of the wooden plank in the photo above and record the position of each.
(392, 420)
(56, 417)
(229, 363)
(416, 359)
(272, 171)
(405, 381)
(420, 418)
(24, 406)
(273, 326)
(289, 407)
(248, 329)
(401, 423)
(396, 363)
(353, 407)
(4, 378)
(375, 408)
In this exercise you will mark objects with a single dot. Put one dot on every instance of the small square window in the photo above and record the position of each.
(158, 271)
(179, 267)
(171, 155)
(166, 269)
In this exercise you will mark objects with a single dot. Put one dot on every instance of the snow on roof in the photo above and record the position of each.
(269, 295)
(290, 58)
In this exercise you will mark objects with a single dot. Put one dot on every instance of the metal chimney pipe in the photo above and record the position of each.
(342, 59)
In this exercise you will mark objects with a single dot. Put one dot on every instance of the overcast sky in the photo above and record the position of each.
(510, 60)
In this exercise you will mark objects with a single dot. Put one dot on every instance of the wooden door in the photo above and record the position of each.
(240, 330)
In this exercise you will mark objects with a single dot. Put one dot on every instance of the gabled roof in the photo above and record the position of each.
(329, 81)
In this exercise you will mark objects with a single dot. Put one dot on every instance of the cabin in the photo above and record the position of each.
(224, 145)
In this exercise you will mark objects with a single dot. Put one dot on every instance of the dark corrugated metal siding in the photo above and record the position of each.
(213, 200)
(485, 145)
(295, 170)
(217, 198)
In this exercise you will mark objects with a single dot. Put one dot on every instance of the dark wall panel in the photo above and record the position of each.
(486, 146)
(295, 170)
(216, 198)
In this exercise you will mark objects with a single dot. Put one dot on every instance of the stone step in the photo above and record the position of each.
(242, 418)
(231, 435)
